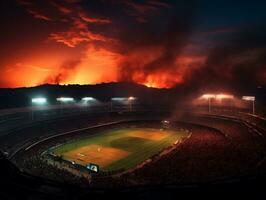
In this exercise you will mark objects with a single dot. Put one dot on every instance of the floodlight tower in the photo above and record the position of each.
(253, 106)
(250, 98)
(209, 104)
(39, 101)
(86, 100)
(64, 100)
(119, 100)
(111, 106)
(208, 97)
(130, 99)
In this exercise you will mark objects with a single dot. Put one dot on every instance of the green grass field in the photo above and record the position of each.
(119, 148)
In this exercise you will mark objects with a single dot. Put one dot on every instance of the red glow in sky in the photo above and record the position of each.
(64, 46)
(150, 42)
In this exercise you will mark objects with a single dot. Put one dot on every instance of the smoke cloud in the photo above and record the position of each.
(159, 43)
(66, 70)
(237, 62)
(152, 49)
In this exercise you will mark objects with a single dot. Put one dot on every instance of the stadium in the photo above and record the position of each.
(132, 99)
(122, 145)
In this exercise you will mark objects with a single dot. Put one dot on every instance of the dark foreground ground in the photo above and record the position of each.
(19, 186)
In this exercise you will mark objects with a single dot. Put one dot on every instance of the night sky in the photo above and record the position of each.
(154, 42)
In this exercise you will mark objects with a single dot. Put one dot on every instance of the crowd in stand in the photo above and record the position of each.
(217, 149)
(207, 156)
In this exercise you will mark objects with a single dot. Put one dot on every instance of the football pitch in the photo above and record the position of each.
(119, 148)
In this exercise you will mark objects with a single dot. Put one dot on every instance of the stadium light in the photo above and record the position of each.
(130, 99)
(65, 99)
(88, 99)
(119, 99)
(250, 98)
(208, 97)
(123, 100)
(39, 100)
(224, 96)
(216, 96)
(220, 97)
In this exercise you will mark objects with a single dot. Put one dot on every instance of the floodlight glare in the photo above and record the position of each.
(207, 96)
(224, 96)
(65, 99)
(39, 100)
(88, 99)
(131, 98)
(216, 96)
(119, 99)
(248, 98)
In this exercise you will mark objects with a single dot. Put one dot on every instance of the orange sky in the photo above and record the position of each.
(95, 66)
(75, 54)
(59, 44)
(73, 42)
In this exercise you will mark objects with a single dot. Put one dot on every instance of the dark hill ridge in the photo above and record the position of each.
(20, 97)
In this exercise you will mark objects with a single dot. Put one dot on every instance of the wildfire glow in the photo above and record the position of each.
(96, 65)
(146, 42)
(83, 52)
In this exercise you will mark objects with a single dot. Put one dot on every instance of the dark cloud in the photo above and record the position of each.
(166, 42)
(237, 62)
(167, 32)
